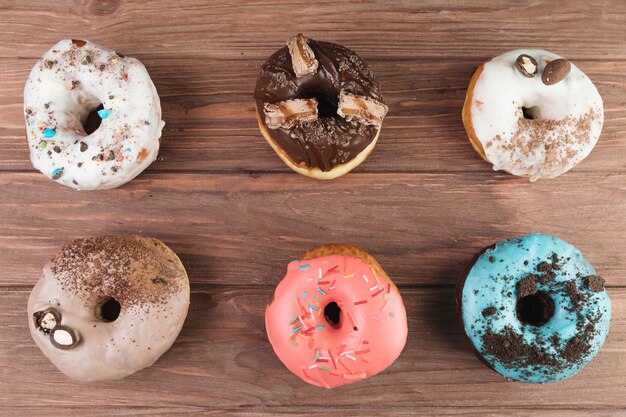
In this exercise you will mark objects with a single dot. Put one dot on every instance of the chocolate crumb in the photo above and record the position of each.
(595, 283)
(489, 311)
(492, 259)
(526, 286)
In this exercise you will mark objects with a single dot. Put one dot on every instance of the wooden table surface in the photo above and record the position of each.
(423, 203)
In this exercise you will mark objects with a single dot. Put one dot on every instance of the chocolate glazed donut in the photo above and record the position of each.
(319, 106)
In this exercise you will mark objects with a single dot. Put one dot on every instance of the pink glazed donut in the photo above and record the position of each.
(336, 317)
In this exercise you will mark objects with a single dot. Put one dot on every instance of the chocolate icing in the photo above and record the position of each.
(330, 140)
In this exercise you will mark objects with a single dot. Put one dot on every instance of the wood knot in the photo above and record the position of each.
(104, 7)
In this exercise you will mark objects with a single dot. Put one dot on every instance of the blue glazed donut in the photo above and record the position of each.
(534, 308)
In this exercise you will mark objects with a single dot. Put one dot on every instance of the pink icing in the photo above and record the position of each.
(369, 336)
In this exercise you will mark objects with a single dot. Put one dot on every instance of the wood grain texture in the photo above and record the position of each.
(423, 203)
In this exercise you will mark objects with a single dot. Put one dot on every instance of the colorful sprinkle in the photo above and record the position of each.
(356, 303)
(57, 173)
(49, 133)
(348, 276)
(296, 329)
(313, 307)
(365, 278)
(319, 326)
(43, 144)
(323, 368)
(303, 267)
(304, 295)
(103, 113)
(392, 315)
(321, 291)
(293, 342)
(377, 292)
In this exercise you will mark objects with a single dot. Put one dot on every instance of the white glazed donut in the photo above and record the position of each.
(532, 121)
(72, 79)
(73, 307)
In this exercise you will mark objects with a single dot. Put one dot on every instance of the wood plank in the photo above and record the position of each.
(222, 361)
(428, 29)
(244, 229)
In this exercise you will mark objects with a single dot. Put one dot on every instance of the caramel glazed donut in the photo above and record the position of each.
(319, 107)
(531, 113)
(72, 79)
(106, 307)
(336, 317)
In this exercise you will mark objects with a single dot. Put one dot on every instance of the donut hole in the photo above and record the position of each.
(332, 314)
(327, 103)
(535, 309)
(108, 310)
(93, 120)
(531, 113)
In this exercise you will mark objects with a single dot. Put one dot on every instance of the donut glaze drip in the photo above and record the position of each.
(330, 140)
(494, 301)
(370, 332)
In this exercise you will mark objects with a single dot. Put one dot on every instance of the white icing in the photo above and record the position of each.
(500, 93)
(131, 131)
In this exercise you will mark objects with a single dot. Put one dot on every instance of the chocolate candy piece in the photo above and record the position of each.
(63, 338)
(290, 113)
(363, 109)
(556, 71)
(527, 65)
(302, 57)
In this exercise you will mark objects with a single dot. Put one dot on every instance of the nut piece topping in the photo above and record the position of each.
(556, 71)
(63, 338)
(79, 42)
(364, 109)
(47, 320)
(527, 65)
(290, 113)
(302, 57)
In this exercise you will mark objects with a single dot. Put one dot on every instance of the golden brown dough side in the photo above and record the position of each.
(314, 172)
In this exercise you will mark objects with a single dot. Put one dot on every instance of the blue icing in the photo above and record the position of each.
(492, 282)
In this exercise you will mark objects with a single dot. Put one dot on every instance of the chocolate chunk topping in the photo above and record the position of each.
(556, 71)
(526, 286)
(595, 283)
(527, 65)
(49, 64)
(489, 311)
(83, 146)
(78, 42)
